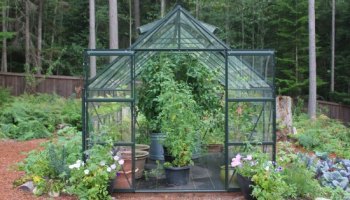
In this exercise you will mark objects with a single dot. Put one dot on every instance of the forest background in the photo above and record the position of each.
(49, 36)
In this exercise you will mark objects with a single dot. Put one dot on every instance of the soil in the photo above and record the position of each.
(12, 152)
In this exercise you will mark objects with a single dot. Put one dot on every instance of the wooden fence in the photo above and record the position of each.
(65, 86)
(335, 111)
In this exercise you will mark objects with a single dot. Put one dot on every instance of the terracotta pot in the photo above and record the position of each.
(215, 148)
(140, 159)
(142, 147)
(123, 180)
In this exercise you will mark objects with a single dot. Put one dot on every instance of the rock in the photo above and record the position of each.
(28, 186)
(54, 194)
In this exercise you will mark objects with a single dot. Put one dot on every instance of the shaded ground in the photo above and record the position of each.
(12, 152)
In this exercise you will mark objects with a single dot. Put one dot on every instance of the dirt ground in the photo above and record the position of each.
(12, 152)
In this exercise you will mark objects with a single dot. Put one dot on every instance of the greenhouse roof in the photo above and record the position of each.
(179, 32)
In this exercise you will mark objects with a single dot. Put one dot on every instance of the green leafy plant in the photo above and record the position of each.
(267, 177)
(323, 135)
(180, 122)
(25, 118)
(48, 168)
(90, 180)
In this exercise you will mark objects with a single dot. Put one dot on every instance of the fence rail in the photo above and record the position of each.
(335, 110)
(64, 86)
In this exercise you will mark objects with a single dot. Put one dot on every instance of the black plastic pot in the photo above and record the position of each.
(177, 175)
(110, 187)
(245, 183)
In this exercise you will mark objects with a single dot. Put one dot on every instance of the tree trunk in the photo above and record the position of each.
(130, 23)
(40, 32)
(27, 34)
(113, 25)
(312, 62)
(4, 41)
(137, 15)
(333, 46)
(53, 30)
(162, 8)
(92, 37)
(197, 9)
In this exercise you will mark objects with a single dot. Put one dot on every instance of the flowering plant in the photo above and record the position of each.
(252, 164)
(90, 179)
(268, 181)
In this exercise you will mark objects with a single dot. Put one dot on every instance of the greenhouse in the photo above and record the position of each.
(179, 97)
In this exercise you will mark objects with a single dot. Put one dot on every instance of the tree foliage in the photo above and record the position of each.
(281, 25)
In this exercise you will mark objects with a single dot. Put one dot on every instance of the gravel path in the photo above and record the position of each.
(12, 152)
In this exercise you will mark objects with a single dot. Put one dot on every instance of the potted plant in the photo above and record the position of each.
(260, 178)
(154, 73)
(180, 122)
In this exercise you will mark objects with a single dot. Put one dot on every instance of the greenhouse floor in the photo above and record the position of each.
(204, 175)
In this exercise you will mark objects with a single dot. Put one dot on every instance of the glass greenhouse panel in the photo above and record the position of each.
(250, 122)
(179, 30)
(124, 178)
(250, 75)
(110, 120)
(114, 80)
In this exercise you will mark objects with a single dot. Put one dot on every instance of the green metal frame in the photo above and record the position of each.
(225, 63)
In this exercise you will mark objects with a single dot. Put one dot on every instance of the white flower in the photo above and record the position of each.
(86, 171)
(267, 168)
(103, 163)
(121, 162)
(116, 158)
(113, 166)
(109, 169)
(71, 166)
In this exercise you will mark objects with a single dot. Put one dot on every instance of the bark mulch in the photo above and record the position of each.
(12, 152)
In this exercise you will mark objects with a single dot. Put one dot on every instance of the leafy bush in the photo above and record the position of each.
(302, 179)
(5, 96)
(49, 168)
(323, 135)
(29, 116)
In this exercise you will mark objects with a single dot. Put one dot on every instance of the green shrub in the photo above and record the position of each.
(29, 116)
(302, 179)
(48, 169)
(5, 96)
(323, 135)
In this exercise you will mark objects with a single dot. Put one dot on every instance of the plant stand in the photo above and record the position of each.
(156, 148)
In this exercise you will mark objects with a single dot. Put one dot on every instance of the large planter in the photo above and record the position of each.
(245, 184)
(177, 175)
(232, 178)
(142, 147)
(215, 148)
(156, 151)
(140, 159)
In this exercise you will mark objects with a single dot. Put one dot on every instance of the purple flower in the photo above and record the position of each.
(279, 169)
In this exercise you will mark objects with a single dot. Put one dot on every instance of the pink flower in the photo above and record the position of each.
(238, 156)
(249, 157)
(235, 163)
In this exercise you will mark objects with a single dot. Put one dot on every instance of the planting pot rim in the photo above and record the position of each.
(127, 154)
(177, 168)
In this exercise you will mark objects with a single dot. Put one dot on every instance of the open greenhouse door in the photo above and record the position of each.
(109, 111)
(250, 107)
